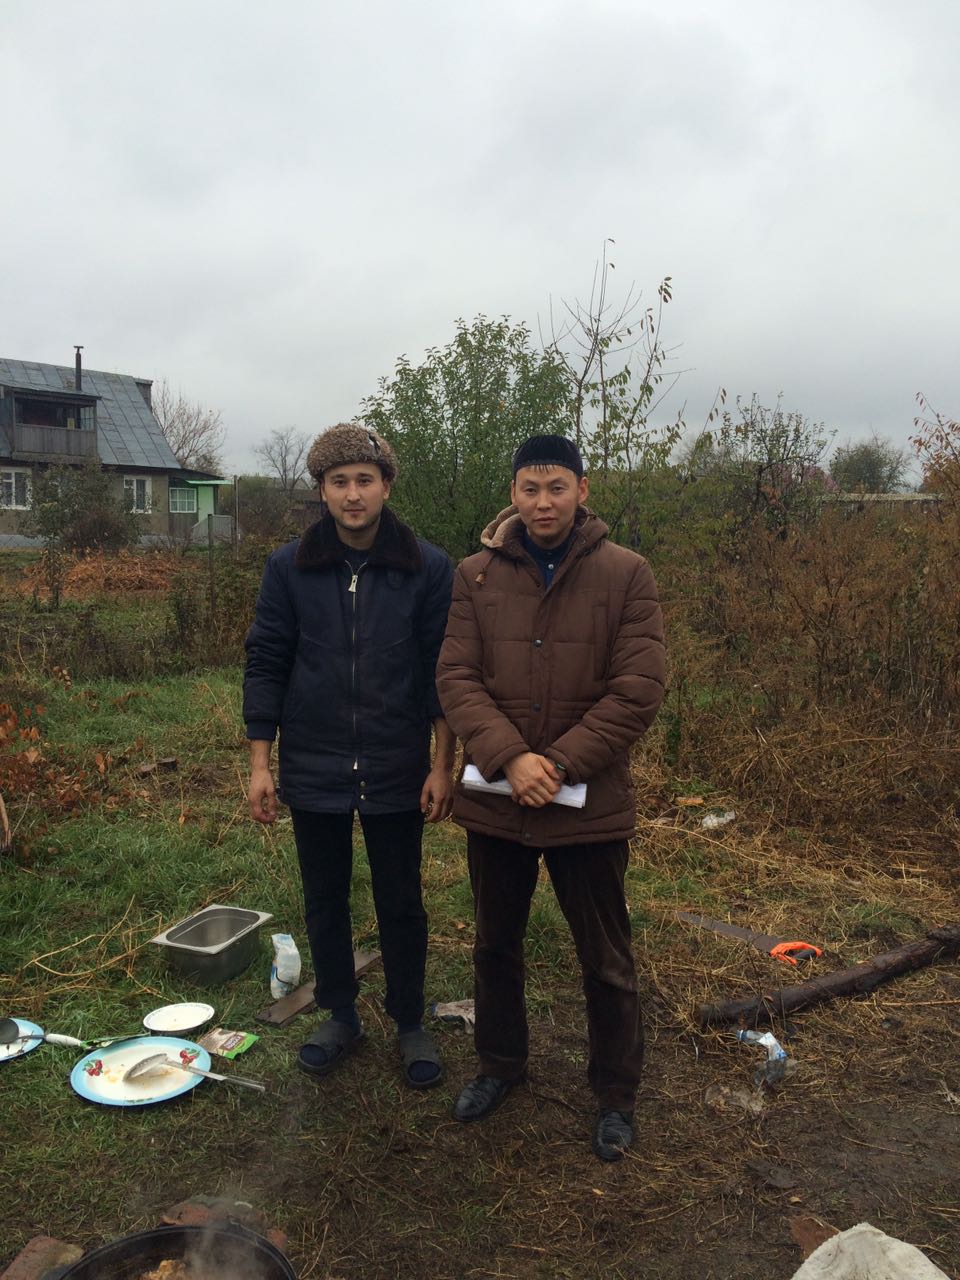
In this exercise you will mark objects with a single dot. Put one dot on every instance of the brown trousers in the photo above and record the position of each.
(588, 882)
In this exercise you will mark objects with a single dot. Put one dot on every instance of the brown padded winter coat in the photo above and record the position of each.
(574, 672)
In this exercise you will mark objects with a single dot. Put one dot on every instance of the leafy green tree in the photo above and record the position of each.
(80, 509)
(604, 373)
(455, 421)
(871, 466)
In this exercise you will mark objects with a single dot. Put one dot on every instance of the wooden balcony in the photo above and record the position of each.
(52, 444)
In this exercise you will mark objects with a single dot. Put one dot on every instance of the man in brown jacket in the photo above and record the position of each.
(551, 668)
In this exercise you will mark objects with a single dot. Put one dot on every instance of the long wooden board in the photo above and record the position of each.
(943, 943)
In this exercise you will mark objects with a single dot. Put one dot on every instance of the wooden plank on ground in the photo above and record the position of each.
(942, 943)
(283, 1011)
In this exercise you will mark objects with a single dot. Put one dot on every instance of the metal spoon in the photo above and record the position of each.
(10, 1033)
(157, 1063)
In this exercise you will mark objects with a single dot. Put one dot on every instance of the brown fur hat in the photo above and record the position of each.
(350, 442)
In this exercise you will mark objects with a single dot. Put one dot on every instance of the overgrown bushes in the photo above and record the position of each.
(820, 671)
(211, 606)
(137, 615)
(815, 670)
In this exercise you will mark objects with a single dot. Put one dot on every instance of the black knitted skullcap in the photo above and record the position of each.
(549, 451)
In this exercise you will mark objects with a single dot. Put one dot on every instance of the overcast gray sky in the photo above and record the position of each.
(267, 203)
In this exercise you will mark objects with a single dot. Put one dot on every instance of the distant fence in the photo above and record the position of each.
(214, 529)
(222, 529)
(864, 500)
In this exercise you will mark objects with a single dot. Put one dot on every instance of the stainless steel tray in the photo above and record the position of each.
(214, 944)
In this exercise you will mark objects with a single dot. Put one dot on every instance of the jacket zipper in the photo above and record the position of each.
(352, 590)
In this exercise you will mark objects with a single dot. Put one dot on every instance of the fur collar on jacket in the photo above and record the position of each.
(395, 546)
(504, 533)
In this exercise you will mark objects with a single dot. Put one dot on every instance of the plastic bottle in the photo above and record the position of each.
(285, 970)
(778, 1064)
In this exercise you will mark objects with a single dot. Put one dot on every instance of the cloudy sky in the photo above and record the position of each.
(267, 203)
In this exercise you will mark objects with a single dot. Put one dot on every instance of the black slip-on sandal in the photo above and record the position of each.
(419, 1046)
(337, 1039)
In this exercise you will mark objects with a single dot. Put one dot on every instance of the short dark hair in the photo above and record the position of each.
(549, 451)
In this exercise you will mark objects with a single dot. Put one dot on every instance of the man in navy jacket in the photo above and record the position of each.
(341, 658)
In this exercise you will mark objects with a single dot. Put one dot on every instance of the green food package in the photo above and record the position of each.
(227, 1044)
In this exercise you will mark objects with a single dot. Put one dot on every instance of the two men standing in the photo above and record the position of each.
(552, 667)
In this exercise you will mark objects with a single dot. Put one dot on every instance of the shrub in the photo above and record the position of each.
(77, 509)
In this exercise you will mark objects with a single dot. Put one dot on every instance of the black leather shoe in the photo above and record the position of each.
(613, 1134)
(480, 1097)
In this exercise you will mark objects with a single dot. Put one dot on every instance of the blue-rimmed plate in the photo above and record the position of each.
(20, 1047)
(99, 1075)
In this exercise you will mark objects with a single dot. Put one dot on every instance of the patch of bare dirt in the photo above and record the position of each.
(865, 1131)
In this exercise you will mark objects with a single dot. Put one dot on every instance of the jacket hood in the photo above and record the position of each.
(395, 546)
(504, 533)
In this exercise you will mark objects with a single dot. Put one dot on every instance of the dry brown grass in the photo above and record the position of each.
(819, 674)
(97, 574)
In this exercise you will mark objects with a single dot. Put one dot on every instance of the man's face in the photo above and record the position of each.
(355, 495)
(547, 499)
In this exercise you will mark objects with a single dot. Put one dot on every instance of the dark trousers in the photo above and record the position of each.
(325, 850)
(588, 882)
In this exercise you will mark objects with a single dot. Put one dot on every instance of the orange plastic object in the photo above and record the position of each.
(791, 952)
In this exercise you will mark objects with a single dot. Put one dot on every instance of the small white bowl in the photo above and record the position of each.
(175, 1019)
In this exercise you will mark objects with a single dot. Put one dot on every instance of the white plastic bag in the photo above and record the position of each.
(285, 970)
(864, 1253)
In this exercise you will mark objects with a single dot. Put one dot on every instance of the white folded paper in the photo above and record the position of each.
(575, 796)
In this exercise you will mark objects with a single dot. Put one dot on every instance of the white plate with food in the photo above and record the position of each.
(98, 1076)
(178, 1019)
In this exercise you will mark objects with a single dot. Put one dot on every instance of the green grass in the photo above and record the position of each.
(80, 900)
(368, 1178)
(88, 638)
(881, 920)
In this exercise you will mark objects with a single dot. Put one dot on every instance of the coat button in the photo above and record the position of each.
(537, 644)
(536, 706)
(526, 835)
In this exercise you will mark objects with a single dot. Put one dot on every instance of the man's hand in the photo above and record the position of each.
(262, 795)
(535, 779)
(436, 798)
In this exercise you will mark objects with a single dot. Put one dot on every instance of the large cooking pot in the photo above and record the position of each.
(228, 1250)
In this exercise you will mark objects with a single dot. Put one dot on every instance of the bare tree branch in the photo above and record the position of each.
(195, 434)
(284, 454)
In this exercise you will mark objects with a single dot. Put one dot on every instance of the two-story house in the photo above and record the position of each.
(54, 415)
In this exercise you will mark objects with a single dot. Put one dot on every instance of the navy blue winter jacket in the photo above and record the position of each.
(349, 677)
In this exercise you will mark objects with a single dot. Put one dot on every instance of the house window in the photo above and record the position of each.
(56, 413)
(183, 500)
(136, 490)
(15, 490)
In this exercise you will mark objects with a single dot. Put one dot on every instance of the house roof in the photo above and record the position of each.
(128, 435)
